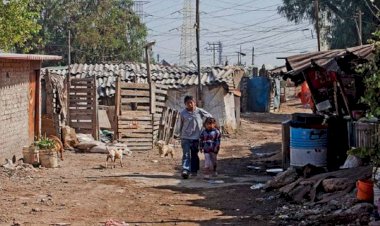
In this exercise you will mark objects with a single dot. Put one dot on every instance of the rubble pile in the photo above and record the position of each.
(324, 198)
(342, 211)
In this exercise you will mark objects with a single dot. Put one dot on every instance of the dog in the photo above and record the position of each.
(113, 154)
(164, 149)
(70, 139)
(58, 146)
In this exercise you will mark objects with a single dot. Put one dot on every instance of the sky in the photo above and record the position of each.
(244, 23)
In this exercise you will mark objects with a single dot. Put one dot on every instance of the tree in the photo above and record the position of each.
(371, 74)
(18, 25)
(341, 31)
(101, 31)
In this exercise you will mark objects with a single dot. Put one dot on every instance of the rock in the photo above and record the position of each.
(360, 208)
(282, 179)
(336, 184)
(374, 223)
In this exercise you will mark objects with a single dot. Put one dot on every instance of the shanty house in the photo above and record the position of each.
(19, 100)
(220, 85)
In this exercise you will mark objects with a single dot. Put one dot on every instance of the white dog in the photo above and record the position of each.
(164, 149)
(117, 153)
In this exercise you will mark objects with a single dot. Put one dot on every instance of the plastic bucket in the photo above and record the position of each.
(30, 155)
(365, 190)
(48, 158)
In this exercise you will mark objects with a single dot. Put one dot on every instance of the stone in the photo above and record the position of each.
(282, 179)
(336, 184)
(360, 208)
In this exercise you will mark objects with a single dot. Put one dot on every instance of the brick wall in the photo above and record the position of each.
(14, 104)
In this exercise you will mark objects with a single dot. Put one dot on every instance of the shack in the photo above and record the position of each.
(336, 89)
(220, 85)
(20, 107)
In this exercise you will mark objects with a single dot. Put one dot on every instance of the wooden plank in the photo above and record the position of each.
(143, 108)
(81, 97)
(137, 139)
(117, 105)
(135, 135)
(161, 104)
(81, 117)
(141, 86)
(135, 130)
(81, 130)
(135, 100)
(83, 125)
(161, 92)
(136, 144)
(136, 113)
(152, 98)
(95, 120)
(80, 111)
(86, 101)
(82, 80)
(162, 86)
(137, 93)
(81, 90)
(135, 118)
(160, 98)
(126, 122)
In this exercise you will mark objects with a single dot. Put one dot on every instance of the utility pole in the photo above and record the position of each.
(197, 29)
(215, 46)
(220, 52)
(359, 26)
(240, 53)
(317, 23)
(253, 56)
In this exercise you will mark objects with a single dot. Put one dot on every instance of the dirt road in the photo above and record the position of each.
(148, 190)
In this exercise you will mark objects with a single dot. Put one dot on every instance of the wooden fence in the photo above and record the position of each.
(168, 124)
(83, 114)
(138, 110)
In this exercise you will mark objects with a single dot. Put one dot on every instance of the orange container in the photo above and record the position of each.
(365, 190)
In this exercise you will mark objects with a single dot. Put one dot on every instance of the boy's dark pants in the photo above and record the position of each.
(190, 158)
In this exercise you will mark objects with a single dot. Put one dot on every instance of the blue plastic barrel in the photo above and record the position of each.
(259, 89)
(308, 146)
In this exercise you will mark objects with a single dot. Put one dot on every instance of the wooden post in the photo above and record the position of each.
(336, 98)
(117, 107)
(68, 82)
(286, 144)
(345, 100)
(317, 24)
(95, 118)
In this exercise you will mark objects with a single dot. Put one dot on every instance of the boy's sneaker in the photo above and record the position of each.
(215, 174)
(193, 174)
(185, 174)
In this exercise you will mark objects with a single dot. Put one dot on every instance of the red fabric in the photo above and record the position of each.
(305, 96)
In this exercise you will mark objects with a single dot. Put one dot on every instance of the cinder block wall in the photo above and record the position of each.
(14, 104)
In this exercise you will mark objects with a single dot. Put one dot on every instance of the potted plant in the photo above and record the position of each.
(47, 152)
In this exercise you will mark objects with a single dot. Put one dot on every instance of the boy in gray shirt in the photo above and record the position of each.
(191, 122)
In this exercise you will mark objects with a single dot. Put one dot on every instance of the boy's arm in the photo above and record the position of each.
(217, 141)
(204, 113)
(178, 127)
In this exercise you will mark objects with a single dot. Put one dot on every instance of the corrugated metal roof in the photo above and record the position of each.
(297, 63)
(173, 76)
(16, 56)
